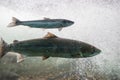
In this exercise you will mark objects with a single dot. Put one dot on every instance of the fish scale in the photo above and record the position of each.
(44, 24)
(51, 46)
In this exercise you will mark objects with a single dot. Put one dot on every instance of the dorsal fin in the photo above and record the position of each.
(45, 18)
(50, 35)
(15, 41)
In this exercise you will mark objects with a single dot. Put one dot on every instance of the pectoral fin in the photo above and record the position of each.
(45, 57)
(59, 29)
(50, 35)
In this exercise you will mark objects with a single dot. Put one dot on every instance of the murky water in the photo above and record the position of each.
(96, 22)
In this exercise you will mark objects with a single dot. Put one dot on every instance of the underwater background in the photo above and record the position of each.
(96, 22)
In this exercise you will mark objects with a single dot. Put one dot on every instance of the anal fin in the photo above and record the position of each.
(45, 57)
(20, 58)
(15, 41)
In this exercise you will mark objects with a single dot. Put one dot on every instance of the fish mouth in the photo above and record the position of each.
(97, 50)
(71, 22)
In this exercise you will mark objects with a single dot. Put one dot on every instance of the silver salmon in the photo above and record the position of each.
(50, 46)
(44, 24)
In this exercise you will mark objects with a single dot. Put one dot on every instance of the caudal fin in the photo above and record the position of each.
(3, 45)
(14, 22)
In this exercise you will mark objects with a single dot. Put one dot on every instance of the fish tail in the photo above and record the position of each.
(3, 48)
(14, 22)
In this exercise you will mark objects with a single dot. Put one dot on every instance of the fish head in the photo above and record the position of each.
(89, 51)
(66, 23)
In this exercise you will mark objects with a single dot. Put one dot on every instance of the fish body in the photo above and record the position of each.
(45, 24)
(53, 46)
